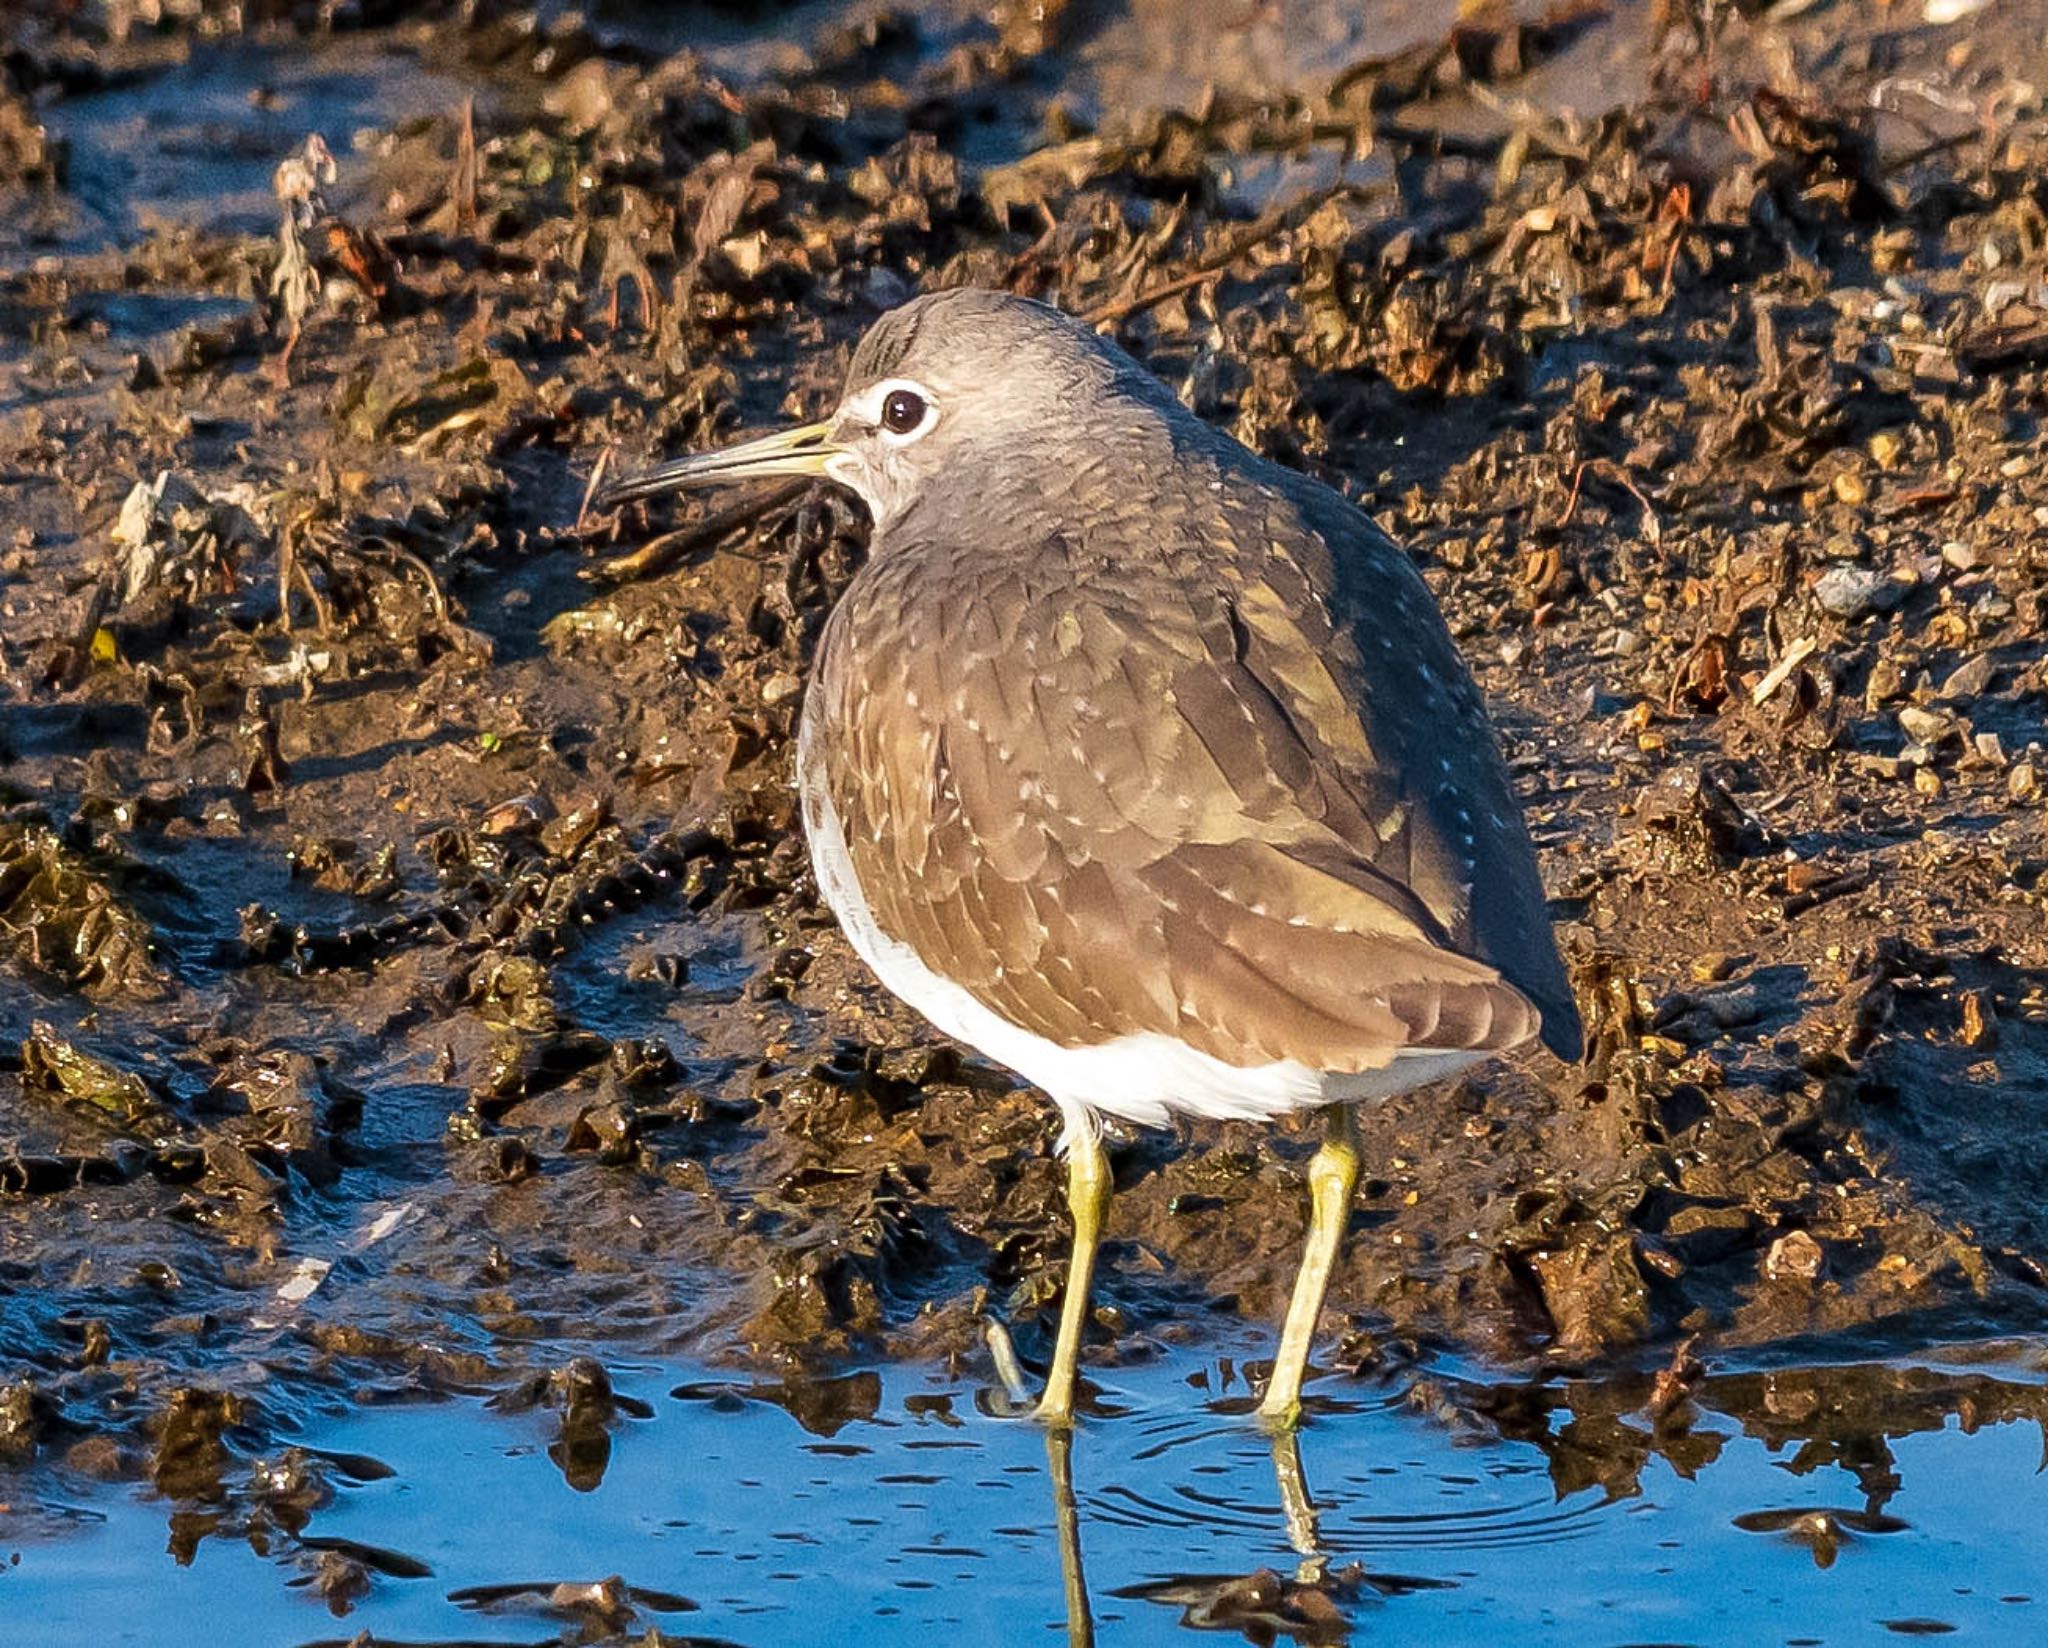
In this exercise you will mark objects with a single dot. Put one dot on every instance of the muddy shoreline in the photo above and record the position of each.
(410, 977)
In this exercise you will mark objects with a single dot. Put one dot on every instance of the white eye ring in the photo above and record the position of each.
(900, 410)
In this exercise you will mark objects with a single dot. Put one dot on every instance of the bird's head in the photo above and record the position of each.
(962, 384)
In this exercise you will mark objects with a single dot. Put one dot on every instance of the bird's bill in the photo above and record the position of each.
(802, 451)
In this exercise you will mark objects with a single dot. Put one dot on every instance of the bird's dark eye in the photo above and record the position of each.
(903, 411)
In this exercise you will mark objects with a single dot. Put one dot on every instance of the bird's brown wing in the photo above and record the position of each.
(1464, 849)
(1109, 801)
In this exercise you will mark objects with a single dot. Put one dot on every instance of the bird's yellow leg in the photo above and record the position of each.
(1332, 1177)
(1088, 1187)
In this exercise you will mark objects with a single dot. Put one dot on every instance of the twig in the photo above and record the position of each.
(1781, 672)
(405, 557)
(323, 620)
(1453, 145)
(1023, 261)
(1275, 220)
(598, 471)
(464, 189)
(1620, 477)
(1927, 151)
(287, 564)
(657, 555)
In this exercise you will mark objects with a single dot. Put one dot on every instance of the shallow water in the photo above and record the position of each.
(1833, 1506)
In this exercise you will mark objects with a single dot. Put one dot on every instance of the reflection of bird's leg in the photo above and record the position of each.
(1297, 1504)
(1332, 1177)
(1088, 1185)
(1059, 1446)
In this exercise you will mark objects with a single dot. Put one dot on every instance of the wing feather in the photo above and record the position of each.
(1130, 798)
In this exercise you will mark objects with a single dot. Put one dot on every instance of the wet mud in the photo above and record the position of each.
(411, 980)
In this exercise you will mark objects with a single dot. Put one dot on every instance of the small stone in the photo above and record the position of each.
(780, 688)
(584, 97)
(749, 253)
(659, 966)
(567, 835)
(2022, 781)
(1732, 1009)
(1703, 1235)
(1854, 592)
(508, 1160)
(2000, 295)
(1926, 781)
(341, 1580)
(1971, 679)
(611, 1132)
(99, 1457)
(884, 289)
(1959, 555)
(1989, 747)
(1980, 1022)
(606, 1599)
(1851, 488)
(1795, 1256)
(522, 815)
(1887, 683)
(1887, 447)
(1924, 726)
(1803, 875)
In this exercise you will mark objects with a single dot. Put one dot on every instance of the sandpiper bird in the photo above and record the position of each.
(1145, 766)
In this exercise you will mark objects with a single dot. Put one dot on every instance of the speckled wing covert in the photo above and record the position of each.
(1237, 788)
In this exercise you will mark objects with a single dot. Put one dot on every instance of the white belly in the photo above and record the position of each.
(1145, 1078)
